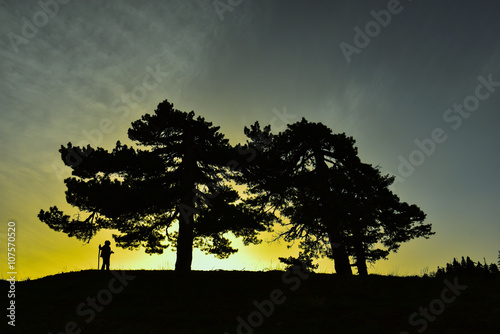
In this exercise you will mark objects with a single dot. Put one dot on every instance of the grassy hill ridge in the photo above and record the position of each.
(231, 302)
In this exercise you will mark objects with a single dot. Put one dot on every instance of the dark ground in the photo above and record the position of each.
(210, 302)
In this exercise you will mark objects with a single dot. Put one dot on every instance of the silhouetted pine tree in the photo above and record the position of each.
(479, 266)
(336, 205)
(302, 260)
(486, 267)
(463, 264)
(455, 266)
(293, 173)
(377, 216)
(181, 177)
(469, 265)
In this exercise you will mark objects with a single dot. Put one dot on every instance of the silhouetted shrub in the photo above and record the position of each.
(302, 261)
(467, 267)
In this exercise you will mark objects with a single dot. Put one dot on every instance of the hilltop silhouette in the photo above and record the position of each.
(157, 302)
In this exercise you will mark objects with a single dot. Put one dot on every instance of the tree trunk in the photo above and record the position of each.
(186, 218)
(186, 228)
(185, 243)
(359, 250)
(361, 259)
(339, 253)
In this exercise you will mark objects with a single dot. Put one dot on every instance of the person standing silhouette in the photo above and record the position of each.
(105, 254)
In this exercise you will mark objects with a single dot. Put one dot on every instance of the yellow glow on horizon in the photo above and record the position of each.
(41, 251)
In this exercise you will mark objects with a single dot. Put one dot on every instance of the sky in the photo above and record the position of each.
(416, 83)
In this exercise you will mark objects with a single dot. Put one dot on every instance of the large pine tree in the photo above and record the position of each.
(336, 205)
(378, 221)
(181, 176)
(293, 174)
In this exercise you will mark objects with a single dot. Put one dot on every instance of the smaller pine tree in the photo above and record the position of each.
(463, 263)
(470, 267)
(486, 267)
(302, 260)
(455, 265)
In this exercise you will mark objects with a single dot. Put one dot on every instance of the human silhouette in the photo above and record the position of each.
(105, 254)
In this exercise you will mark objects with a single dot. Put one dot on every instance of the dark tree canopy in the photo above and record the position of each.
(180, 177)
(336, 205)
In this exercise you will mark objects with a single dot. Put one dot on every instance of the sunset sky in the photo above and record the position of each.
(416, 83)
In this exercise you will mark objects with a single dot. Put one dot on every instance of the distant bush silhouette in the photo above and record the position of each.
(301, 260)
(467, 267)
